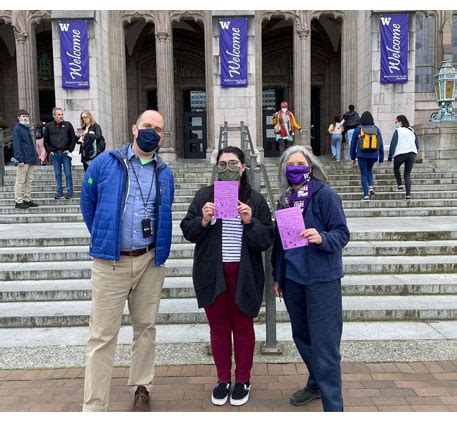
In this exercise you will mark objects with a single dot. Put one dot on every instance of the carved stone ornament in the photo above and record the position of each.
(23, 20)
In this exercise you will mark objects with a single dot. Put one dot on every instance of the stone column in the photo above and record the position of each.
(27, 72)
(166, 83)
(349, 61)
(118, 82)
(211, 135)
(302, 77)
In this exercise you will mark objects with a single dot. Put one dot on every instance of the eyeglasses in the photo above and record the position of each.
(232, 164)
(84, 117)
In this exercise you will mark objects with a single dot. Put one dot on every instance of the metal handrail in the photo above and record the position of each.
(271, 345)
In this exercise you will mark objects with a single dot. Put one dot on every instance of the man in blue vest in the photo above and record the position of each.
(26, 158)
(126, 201)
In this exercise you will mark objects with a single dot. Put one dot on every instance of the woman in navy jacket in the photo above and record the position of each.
(309, 277)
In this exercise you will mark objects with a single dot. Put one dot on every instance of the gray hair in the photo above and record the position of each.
(317, 171)
(54, 110)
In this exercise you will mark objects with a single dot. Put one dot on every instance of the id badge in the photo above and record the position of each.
(146, 227)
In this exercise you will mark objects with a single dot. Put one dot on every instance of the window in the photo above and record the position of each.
(454, 39)
(425, 52)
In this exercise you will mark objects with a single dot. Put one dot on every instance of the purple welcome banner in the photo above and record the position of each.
(233, 48)
(394, 48)
(74, 54)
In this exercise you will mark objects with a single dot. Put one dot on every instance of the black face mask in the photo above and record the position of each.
(148, 139)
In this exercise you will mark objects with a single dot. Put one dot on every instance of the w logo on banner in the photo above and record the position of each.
(225, 24)
(385, 21)
(64, 27)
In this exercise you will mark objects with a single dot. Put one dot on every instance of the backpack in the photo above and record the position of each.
(368, 139)
(101, 144)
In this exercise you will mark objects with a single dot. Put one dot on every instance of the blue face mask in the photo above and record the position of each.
(148, 139)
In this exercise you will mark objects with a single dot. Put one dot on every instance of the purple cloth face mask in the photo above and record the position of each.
(296, 175)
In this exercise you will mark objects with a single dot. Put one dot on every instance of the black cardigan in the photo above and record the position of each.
(208, 275)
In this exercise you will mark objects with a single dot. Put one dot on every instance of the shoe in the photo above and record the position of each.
(21, 206)
(371, 190)
(68, 196)
(408, 197)
(142, 401)
(31, 204)
(366, 198)
(304, 396)
(58, 196)
(400, 187)
(221, 393)
(240, 393)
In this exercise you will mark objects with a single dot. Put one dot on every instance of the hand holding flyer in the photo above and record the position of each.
(226, 199)
(290, 225)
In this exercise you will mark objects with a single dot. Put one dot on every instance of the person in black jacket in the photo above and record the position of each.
(59, 141)
(25, 155)
(228, 273)
(91, 140)
(351, 121)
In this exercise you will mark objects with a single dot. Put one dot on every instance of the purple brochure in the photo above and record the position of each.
(290, 225)
(226, 199)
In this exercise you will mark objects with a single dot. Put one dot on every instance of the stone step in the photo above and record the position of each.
(183, 267)
(185, 250)
(185, 311)
(25, 338)
(182, 287)
(401, 212)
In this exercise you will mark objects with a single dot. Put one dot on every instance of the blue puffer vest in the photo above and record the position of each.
(103, 195)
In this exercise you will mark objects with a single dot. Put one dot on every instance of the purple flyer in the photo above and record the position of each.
(226, 199)
(290, 225)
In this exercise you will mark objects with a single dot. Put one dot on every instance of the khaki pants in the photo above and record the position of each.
(139, 281)
(23, 188)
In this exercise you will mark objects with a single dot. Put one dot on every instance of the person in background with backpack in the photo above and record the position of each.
(351, 120)
(336, 129)
(403, 148)
(92, 142)
(367, 147)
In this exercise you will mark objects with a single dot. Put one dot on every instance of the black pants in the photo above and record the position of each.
(284, 144)
(409, 159)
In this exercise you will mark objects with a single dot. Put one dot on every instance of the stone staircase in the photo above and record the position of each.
(400, 265)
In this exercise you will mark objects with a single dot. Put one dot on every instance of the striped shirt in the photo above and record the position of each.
(232, 233)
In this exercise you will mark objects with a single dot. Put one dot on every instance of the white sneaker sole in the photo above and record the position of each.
(239, 402)
(218, 402)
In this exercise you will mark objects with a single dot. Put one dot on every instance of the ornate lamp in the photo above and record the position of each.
(445, 82)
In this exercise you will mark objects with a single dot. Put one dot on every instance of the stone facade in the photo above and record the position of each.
(320, 61)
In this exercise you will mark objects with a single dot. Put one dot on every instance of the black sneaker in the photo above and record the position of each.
(366, 198)
(408, 197)
(304, 396)
(21, 206)
(58, 197)
(240, 393)
(400, 187)
(68, 196)
(221, 393)
(371, 190)
(31, 204)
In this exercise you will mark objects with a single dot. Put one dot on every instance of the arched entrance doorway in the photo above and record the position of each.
(8, 76)
(325, 79)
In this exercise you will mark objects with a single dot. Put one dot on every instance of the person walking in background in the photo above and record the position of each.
(336, 129)
(367, 147)
(91, 139)
(59, 141)
(39, 139)
(351, 121)
(309, 277)
(284, 127)
(126, 201)
(228, 273)
(404, 147)
(26, 158)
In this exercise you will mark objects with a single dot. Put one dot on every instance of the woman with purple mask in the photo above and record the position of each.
(309, 277)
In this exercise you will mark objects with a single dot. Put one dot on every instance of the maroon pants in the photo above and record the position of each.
(225, 317)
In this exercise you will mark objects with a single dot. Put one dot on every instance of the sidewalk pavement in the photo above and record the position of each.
(368, 387)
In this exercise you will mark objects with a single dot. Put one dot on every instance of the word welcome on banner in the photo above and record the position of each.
(394, 48)
(233, 46)
(74, 54)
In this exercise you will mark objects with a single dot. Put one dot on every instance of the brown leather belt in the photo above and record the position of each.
(138, 252)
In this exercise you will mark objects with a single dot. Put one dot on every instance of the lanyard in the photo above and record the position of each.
(145, 203)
